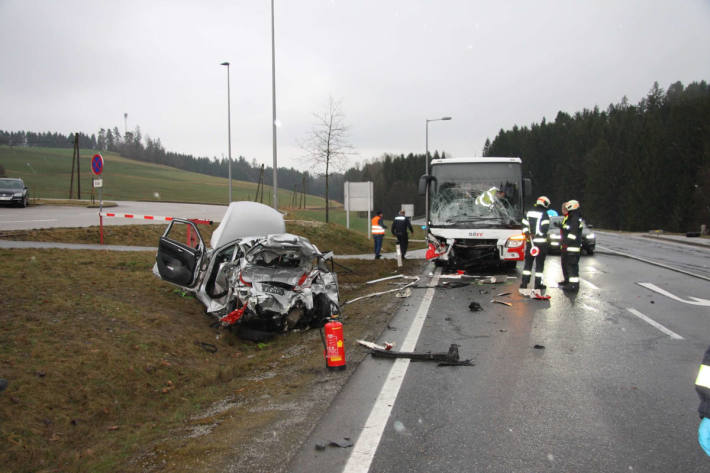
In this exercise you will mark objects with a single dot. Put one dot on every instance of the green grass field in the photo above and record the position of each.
(47, 172)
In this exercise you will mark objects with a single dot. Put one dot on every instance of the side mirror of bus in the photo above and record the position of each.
(425, 181)
(527, 187)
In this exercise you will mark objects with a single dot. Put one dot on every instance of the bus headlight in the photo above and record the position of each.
(516, 241)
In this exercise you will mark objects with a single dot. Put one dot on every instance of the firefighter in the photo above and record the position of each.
(489, 198)
(702, 387)
(535, 227)
(571, 245)
(400, 225)
(378, 232)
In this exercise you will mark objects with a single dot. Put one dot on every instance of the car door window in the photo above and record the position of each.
(179, 252)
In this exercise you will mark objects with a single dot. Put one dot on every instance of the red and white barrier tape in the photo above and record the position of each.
(140, 217)
(153, 217)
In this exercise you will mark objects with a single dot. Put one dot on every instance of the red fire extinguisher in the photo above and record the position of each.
(334, 344)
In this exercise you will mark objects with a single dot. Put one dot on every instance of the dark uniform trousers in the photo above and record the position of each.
(539, 261)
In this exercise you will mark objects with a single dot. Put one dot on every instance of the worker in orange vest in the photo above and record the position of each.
(378, 232)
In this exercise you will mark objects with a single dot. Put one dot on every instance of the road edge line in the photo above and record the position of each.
(655, 263)
(366, 446)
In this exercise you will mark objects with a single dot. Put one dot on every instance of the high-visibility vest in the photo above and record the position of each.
(486, 198)
(377, 229)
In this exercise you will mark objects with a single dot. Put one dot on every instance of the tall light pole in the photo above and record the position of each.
(229, 132)
(273, 108)
(426, 168)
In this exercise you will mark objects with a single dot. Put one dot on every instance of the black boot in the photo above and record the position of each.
(562, 283)
(571, 287)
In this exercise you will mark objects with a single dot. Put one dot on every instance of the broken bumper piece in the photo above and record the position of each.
(450, 358)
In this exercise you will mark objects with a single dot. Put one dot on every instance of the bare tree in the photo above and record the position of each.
(327, 143)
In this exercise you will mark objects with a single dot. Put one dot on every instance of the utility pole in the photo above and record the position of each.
(75, 159)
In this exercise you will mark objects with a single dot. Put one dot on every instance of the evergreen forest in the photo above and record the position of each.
(632, 167)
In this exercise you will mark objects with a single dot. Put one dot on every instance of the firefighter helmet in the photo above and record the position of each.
(571, 205)
(543, 201)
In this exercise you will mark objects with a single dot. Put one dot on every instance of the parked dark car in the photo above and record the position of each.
(589, 241)
(14, 191)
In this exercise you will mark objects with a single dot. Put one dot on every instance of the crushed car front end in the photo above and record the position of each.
(283, 283)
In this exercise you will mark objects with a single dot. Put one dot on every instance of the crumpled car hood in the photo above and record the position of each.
(243, 219)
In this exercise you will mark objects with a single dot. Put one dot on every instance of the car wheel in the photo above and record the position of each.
(25, 202)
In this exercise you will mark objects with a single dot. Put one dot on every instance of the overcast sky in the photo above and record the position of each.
(76, 65)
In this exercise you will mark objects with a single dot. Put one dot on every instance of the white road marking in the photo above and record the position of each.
(694, 301)
(655, 324)
(29, 221)
(366, 445)
(593, 286)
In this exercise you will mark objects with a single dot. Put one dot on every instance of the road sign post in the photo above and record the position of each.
(97, 167)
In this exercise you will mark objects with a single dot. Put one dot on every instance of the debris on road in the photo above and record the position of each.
(501, 302)
(406, 292)
(475, 307)
(375, 294)
(345, 443)
(539, 347)
(490, 280)
(450, 358)
(453, 284)
(374, 346)
(396, 276)
(503, 294)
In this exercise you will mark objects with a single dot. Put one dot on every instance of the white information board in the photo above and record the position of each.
(358, 196)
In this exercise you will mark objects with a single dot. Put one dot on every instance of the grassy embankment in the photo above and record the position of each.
(107, 364)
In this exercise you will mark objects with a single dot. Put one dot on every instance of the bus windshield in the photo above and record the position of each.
(484, 194)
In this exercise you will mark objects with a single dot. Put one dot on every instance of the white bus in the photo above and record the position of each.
(475, 208)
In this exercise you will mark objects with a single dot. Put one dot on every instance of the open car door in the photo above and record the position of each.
(180, 253)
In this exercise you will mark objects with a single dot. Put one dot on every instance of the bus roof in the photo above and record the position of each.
(475, 160)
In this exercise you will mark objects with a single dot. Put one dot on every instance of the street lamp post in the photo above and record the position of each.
(426, 168)
(229, 133)
(273, 108)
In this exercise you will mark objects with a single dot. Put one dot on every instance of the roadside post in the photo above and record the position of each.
(97, 167)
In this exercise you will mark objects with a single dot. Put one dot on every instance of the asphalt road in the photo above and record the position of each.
(611, 391)
(49, 216)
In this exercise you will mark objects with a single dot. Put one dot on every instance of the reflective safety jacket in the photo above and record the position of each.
(487, 198)
(378, 228)
(536, 225)
(702, 386)
(400, 225)
(572, 232)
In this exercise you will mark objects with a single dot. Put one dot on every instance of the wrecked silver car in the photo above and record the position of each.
(253, 273)
(283, 282)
